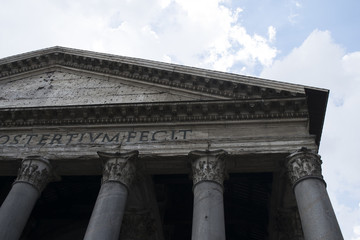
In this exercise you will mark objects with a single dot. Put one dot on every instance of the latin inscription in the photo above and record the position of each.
(94, 137)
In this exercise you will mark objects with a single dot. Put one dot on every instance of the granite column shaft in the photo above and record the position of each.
(208, 170)
(106, 218)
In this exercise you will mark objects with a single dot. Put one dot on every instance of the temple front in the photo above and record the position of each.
(97, 146)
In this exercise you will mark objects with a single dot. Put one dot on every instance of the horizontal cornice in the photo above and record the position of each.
(164, 112)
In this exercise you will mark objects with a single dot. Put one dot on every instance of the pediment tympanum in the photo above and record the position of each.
(63, 87)
(169, 78)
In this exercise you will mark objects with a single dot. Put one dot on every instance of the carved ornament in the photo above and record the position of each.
(303, 164)
(36, 171)
(208, 166)
(119, 167)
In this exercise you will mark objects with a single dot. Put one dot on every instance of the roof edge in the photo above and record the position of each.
(206, 73)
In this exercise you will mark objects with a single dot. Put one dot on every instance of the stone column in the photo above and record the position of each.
(118, 174)
(33, 175)
(208, 168)
(318, 219)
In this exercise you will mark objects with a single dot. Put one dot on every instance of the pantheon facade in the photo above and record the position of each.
(97, 146)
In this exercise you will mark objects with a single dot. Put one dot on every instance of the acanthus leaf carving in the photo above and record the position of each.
(119, 167)
(303, 164)
(208, 166)
(36, 171)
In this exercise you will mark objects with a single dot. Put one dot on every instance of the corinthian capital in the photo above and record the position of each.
(119, 167)
(303, 164)
(208, 166)
(36, 171)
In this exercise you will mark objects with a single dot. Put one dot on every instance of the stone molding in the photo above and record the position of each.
(208, 166)
(195, 111)
(119, 167)
(303, 164)
(36, 171)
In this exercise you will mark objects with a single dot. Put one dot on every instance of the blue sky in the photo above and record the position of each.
(295, 20)
(310, 42)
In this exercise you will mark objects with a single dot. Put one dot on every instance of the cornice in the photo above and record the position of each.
(161, 112)
(175, 76)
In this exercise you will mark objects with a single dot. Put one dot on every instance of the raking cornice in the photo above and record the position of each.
(226, 85)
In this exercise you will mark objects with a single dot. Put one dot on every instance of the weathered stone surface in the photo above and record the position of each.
(79, 146)
(65, 87)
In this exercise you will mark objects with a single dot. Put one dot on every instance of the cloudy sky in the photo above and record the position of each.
(309, 42)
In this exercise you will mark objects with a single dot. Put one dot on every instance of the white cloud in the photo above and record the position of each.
(271, 33)
(298, 4)
(202, 33)
(322, 63)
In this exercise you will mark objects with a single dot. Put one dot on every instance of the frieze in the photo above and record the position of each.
(36, 171)
(303, 164)
(224, 110)
(71, 138)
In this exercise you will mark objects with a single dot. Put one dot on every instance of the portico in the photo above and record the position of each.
(183, 153)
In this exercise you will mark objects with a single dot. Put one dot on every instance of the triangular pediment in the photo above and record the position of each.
(154, 81)
(63, 87)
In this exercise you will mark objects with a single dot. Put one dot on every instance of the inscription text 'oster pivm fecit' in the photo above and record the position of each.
(71, 138)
